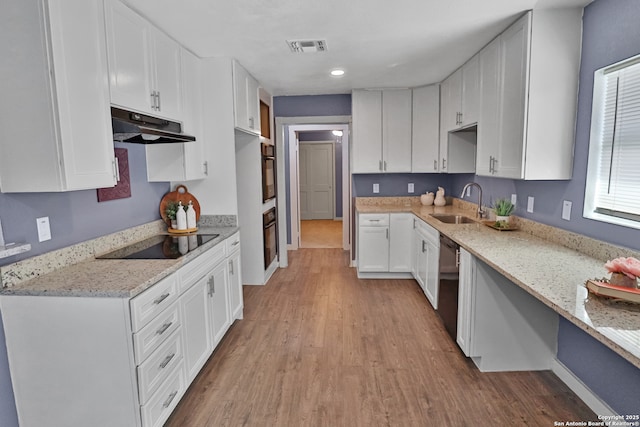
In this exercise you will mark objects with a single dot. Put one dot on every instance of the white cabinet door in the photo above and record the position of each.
(56, 124)
(465, 301)
(373, 249)
(425, 142)
(489, 128)
(167, 75)
(235, 286)
(451, 99)
(218, 288)
(400, 242)
(514, 61)
(420, 248)
(431, 284)
(196, 327)
(470, 91)
(367, 131)
(185, 161)
(246, 100)
(130, 66)
(396, 130)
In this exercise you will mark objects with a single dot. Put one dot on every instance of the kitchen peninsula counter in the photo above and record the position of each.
(542, 260)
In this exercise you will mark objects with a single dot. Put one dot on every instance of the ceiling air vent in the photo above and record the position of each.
(307, 46)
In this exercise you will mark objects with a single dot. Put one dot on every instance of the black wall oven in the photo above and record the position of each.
(268, 172)
(270, 237)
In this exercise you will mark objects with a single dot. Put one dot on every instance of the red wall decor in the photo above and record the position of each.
(122, 189)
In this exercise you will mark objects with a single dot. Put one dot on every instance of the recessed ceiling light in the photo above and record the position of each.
(337, 73)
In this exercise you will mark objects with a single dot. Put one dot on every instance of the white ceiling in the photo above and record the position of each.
(379, 43)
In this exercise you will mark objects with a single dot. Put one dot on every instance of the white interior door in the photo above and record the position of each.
(316, 168)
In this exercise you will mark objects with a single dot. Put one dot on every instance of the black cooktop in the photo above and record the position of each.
(160, 247)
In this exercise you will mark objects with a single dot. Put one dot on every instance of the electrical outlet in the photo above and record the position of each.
(44, 231)
(410, 187)
(566, 210)
(530, 204)
(376, 188)
(514, 199)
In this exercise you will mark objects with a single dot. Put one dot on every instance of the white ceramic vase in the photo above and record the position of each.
(502, 218)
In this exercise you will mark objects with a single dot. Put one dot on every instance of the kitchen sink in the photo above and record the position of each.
(453, 219)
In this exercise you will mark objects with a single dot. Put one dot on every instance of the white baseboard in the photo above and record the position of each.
(576, 385)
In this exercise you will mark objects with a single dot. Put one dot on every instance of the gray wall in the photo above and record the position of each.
(396, 184)
(74, 216)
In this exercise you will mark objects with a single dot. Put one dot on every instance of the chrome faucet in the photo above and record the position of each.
(480, 213)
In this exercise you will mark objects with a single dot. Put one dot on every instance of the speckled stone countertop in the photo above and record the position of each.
(544, 261)
(113, 278)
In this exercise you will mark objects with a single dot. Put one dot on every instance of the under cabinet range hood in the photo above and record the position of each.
(138, 128)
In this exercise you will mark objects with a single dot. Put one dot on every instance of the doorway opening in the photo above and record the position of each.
(288, 148)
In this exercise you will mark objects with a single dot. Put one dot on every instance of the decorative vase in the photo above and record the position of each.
(427, 199)
(621, 279)
(502, 218)
(440, 200)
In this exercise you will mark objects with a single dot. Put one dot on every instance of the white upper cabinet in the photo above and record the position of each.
(246, 103)
(144, 64)
(56, 125)
(425, 145)
(381, 130)
(529, 90)
(183, 161)
(470, 92)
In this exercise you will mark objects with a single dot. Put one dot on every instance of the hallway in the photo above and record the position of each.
(320, 233)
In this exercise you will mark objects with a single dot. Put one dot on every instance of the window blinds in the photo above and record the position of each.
(618, 174)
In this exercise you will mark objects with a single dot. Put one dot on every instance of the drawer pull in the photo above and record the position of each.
(169, 399)
(166, 361)
(164, 328)
(237, 242)
(161, 298)
(374, 220)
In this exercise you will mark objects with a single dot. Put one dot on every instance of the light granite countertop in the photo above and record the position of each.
(112, 278)
(544, 261)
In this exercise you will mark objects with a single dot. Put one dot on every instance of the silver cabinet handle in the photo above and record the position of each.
(166, 360)
(251, 122)
(163, 328)
(444, 163)
(161, 298)
(153, 100)
(457, 257)
(169, 399)
(205, 166)
(385, 165)
(236, 243)
(423, 248)
(231, 267)
(380, 165)
(435, 165)
(212, 285)
(387, 234)
(414, 223)
(158, 96)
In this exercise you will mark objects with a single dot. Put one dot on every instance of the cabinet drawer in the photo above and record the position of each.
(155, 333)
(151, 302)
(153, 371)
(163, 402)
(373, 220)
(233, 244)
(428, 231)
(194, 270)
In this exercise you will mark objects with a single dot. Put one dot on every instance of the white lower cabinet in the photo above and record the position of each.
(384, 243)
(120, 361)
(426, 251)
(465, 301)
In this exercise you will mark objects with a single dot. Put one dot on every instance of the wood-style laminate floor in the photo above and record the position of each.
(321, 233)
(318, 347)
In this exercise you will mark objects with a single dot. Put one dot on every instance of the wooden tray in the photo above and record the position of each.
(505, 227)
(187, 231)
(608, 290)
(180, 194)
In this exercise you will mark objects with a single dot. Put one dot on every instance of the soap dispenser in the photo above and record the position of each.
(191, 216)
(181, 217)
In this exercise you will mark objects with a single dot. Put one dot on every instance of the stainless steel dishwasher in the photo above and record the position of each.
(448, 284)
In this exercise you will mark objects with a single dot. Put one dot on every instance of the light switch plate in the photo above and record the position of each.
(410, 188)
(566, 210)
(376, 188)
(530, 204)
(514, 199)
(44, 231)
